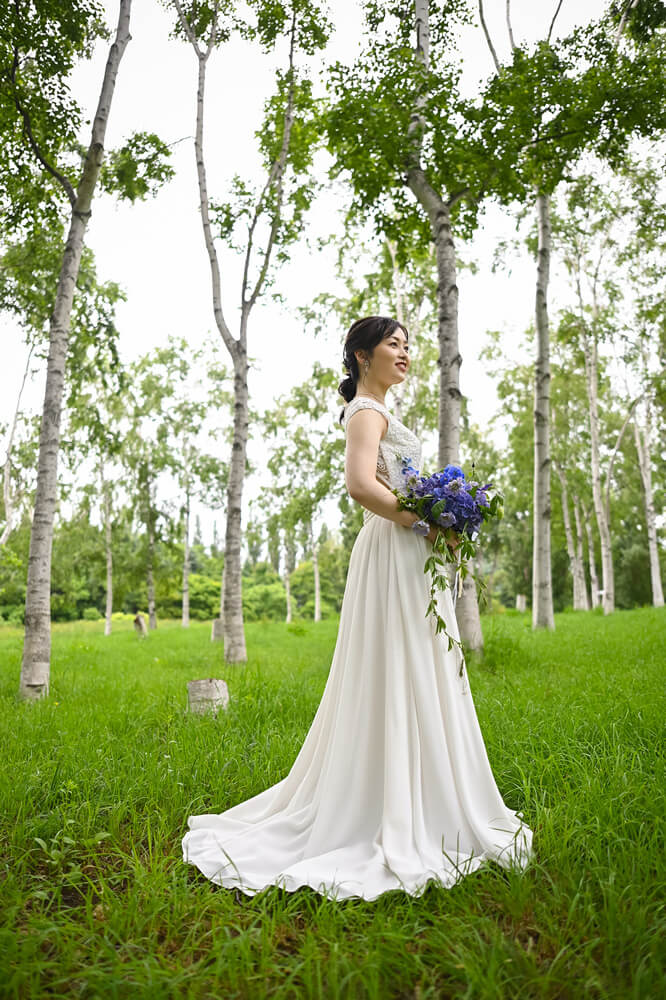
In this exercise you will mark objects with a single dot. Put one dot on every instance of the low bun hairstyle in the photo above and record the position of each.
(363, 335)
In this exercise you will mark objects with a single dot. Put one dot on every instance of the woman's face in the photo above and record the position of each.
(390, 359)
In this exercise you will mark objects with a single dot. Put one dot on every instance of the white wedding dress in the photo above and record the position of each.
(392, 786)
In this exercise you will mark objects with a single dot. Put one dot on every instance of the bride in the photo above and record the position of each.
(392, 786)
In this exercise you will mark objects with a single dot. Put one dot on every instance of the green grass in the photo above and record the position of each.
(97, 782)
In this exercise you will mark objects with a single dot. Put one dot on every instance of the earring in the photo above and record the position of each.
(366, 365)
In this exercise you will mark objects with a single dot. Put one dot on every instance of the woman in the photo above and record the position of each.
(392, 786)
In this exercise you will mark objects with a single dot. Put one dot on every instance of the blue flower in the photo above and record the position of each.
(452, 472)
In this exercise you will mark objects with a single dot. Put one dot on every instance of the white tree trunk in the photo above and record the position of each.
(607, 573)
(643, 447)
(106, 495)
(36, 663)
(467, 613)
(217, 631)
(289, 563)
(399, 391)
(186, 565)
(585, 597)
(575, 556)
(150, 574)
(8, 499)
(232, 596)
(287, 587)
(542, 590)
(438, 211)
(594, 579)
(315, 570)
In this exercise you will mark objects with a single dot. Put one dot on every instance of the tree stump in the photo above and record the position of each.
(521, 602)
(207, 695)
(140, 626)
(217, 631)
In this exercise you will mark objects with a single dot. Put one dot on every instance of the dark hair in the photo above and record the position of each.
(364, 335)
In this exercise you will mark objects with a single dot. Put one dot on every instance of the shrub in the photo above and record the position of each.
(12, 614)
(264, 602)
(307, 611)
(91, 615)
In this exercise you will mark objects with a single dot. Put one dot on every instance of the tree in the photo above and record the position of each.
(200, 474)
(11, 492)
(579, 94)
(306, 464)
(286, 140)
(37, 53)
(607, 235)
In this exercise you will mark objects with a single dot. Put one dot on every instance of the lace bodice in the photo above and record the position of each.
(398, 444)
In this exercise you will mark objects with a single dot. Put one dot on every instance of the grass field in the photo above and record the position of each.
(98, 780)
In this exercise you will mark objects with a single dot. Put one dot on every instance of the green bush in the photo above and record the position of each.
(91, 615)
(12, 614)
(264, 602)
(307, 611)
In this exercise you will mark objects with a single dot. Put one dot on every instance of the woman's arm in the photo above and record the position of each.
(365, 429)
(364, 433)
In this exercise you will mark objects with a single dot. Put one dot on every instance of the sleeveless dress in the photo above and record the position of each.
(392, 786)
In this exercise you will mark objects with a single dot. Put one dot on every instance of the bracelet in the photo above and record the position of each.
(421, 528)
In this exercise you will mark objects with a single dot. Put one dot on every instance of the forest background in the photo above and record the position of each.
(150, 298)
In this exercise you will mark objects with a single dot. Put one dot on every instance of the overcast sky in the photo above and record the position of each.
(155, 250)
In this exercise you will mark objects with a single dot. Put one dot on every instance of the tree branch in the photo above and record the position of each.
(508, 24)
(488, 38)
(552, 23)
(204, 204)
(6, 484)
(275, 178)
(27, 124)
(185, 25)
(459, 195)
(618, 442)
(422, 52)
(623, 20)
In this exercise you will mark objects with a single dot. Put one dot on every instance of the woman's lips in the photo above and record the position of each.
(403, 367)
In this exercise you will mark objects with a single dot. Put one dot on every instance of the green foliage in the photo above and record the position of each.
(138, 168)
(642, 17)
(40, 43)
(264, 602)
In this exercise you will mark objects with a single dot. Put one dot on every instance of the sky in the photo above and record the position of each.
(155, 249)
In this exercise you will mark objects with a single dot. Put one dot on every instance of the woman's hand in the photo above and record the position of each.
(451, 536)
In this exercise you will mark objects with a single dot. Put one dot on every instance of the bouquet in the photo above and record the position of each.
(458, 506)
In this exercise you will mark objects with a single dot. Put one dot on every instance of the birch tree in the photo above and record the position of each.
(604, 243)
(39, 43)
(412, 105)
(306, 461)
(642, 255)
(273, 216)
(400, 124)
(642, 438)
(577, 94)
(542, 594)
(10, 490)
(570, 453)
(35, 666)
